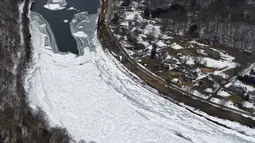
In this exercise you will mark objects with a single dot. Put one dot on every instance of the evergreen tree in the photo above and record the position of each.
(116, 18)
(126, 3)
(154, 51)
(147, 13)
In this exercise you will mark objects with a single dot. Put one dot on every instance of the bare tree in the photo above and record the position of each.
(18, 122)
(185, 59)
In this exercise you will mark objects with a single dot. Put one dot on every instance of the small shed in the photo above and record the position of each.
(251, 96)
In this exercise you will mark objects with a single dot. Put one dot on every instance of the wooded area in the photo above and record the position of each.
(230, 23)
(18, 122)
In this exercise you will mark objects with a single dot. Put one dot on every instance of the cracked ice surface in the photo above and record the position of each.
(94, 97)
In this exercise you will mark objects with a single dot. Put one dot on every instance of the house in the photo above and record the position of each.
(190, 76)
(176, 81)
(171, 61)
(251, 96)
(236, 89)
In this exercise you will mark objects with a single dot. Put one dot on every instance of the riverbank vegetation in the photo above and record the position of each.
(19, 123)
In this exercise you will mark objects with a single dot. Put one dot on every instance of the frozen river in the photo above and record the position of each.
(94, 97)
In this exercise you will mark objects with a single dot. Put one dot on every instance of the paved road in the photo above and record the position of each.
(157, 78)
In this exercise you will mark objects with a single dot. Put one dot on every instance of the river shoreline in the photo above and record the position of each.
(99, 128)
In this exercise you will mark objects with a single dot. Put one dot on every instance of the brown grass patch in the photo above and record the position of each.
(189, 84)
(207, 70)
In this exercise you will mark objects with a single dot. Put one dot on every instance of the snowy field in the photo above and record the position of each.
(93, 96)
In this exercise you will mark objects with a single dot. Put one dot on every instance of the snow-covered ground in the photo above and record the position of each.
(95, 98)
(176, 46)
(218, 64)
(223, 93)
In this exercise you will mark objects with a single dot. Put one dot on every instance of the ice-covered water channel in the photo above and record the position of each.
(59, 14)
(95, 98)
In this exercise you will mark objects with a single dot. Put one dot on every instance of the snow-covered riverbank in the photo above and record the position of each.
(95, 99)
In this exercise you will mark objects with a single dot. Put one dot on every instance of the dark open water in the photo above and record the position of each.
(61, 30)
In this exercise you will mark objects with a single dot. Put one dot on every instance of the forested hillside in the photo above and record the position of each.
(226, 22)
(18, 122)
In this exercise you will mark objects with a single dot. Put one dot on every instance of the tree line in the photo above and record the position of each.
(19, 123)
(247, 79)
